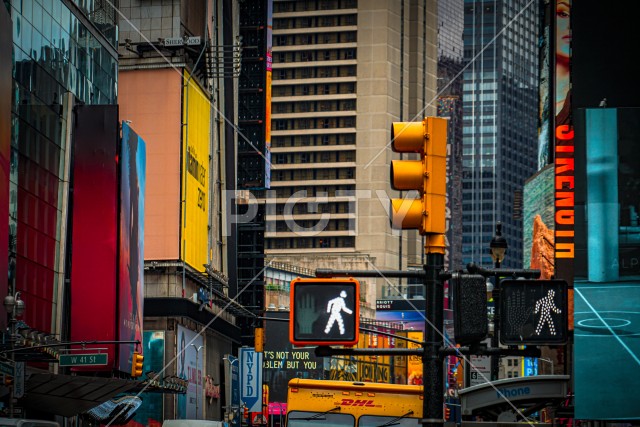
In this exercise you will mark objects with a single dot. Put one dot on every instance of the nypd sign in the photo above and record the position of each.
(251, 379)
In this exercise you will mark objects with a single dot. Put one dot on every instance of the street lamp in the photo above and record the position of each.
(497, 250)
(498, 246)
(15, 308)
(232, 411)
(198, 348)
(545, 359)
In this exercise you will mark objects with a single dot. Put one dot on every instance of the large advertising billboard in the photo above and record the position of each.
(409, 313)
(564, 227)
(607, 289)
(196, 152)
(538, 220)
(131, 243)
(544, 90)
(152, 101)
(564, 147)
(94, 233)
(189, 360)
(267, 97)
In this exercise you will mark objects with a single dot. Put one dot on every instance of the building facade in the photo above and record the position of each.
(500, 110)
(343, 71)
(58, 56)
(179, 68)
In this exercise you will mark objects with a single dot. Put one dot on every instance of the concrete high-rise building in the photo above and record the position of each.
(500, 110)
(343, 71)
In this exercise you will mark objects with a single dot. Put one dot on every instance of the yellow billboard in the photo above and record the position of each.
(196, 116)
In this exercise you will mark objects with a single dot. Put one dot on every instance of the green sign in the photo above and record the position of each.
(83, 359)
(6, 368)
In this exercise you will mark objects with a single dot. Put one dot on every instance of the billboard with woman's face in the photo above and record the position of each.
(131, 242)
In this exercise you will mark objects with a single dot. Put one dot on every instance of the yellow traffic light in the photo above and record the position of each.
(427, 175)
(136, 365)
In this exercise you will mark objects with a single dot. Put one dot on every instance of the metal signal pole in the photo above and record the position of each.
(432, 359)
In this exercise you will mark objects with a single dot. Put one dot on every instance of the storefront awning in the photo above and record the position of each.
(68, 395)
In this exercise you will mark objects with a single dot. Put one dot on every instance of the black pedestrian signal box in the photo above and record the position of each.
(324, 312)
(470, 319)
(533, 312)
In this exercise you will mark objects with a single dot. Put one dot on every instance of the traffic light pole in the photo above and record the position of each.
(433, 350)
(431, 359)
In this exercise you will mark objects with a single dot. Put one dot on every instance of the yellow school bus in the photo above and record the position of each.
(326, 403)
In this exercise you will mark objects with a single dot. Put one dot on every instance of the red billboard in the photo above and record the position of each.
(5, 147)
(94, 237)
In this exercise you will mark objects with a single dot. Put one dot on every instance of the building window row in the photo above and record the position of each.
(313, 225)
(315, 55)
(315, 21)
(315, 72)
(314, 157)
(313, 174)
(323, 123)
(320, 191)
(317, 38)
(312, 208)
(310, 5)
(314, 106)
(315, 89)
(311, 140)
(311, 242)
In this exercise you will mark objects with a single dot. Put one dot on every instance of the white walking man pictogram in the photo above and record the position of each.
(335, 306)
(545, 306)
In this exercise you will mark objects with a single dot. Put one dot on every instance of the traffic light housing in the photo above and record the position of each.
(533, 312)
(470, 308)
(427, 175)
(136, 364)
(324, 312)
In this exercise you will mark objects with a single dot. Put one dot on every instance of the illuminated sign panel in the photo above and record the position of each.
(533, 312)
(324, 311)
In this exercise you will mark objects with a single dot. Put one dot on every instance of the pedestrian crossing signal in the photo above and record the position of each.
(324, 312)
(533, 312)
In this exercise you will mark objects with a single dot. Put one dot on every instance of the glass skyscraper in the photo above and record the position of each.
(450, 63)
(64, 53)
(500, 113)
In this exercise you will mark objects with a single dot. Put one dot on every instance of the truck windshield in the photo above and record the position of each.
(378, 421)
(319, 419)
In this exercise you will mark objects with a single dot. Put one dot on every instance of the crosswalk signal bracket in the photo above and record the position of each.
(136, 365)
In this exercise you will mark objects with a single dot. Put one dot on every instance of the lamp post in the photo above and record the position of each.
(15, 308)
(497, 250)
(198, 348)
(233, 412)
(545, 359)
